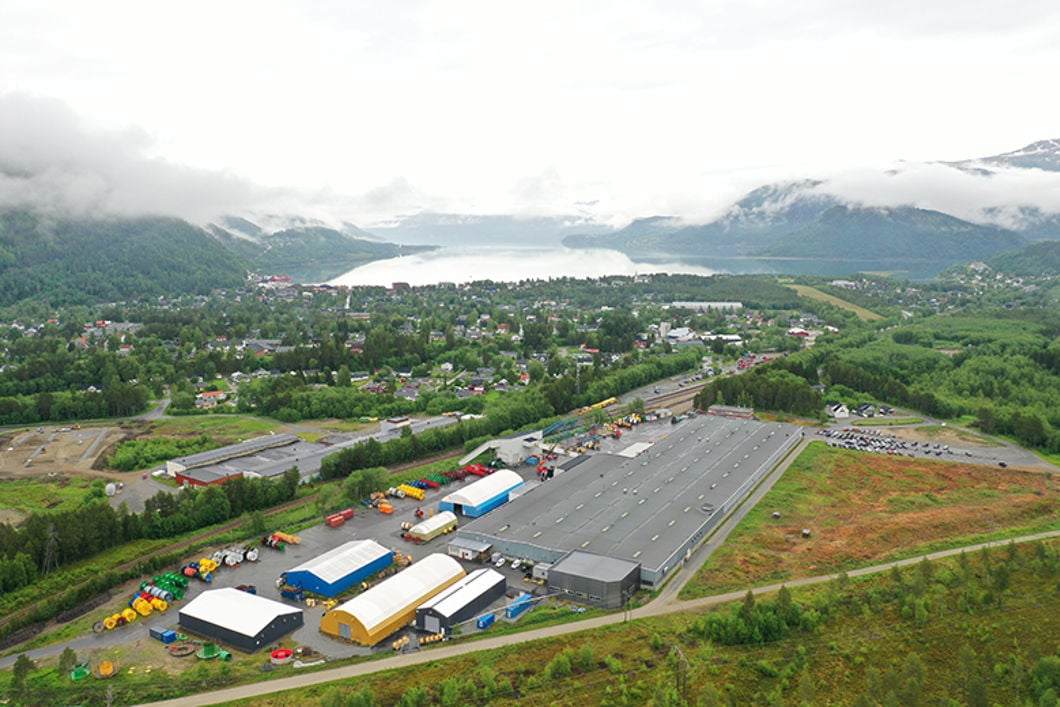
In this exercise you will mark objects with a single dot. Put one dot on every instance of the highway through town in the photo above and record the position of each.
(666, 602)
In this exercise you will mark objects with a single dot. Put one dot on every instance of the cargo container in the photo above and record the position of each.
(162, 634)
(289, 592)
(346, 513)
(334, 521)
(520, 604)
(486, 621)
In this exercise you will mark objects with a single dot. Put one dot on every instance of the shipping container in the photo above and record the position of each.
(486, 621)
(520, 604)
(347, 513)
(335, 521)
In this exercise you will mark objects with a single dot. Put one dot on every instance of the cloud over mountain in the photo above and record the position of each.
(52, 162)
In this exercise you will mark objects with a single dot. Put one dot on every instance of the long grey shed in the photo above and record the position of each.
(462, 601)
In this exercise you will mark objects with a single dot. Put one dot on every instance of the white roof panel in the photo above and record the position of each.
(485, 488)
(457, 596)
(390, 596)
(236, 610)
(433, 523)
(335, 564)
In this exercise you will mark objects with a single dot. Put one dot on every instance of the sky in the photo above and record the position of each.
(610, 109)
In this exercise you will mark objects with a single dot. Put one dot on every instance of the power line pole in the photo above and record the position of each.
(681, 668)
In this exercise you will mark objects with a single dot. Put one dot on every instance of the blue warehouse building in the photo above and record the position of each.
(482, 496)
(337, 570)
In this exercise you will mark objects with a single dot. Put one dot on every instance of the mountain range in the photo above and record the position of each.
(812, 219)
(71, 259)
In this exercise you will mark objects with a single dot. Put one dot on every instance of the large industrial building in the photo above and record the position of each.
(588, 578)
(232, 451)
(373, 615)
(266, 457)
(484, 495)
(235, 618)
(653, 508)
(462, 601)
(337, 570)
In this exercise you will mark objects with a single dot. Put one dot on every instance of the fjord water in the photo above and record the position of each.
(460, 264)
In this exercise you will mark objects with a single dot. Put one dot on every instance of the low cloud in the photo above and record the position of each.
(983, 197)
(50, 161)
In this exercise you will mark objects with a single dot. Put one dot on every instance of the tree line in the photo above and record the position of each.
(49, 541)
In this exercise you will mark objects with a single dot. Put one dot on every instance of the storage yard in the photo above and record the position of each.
(629, 511)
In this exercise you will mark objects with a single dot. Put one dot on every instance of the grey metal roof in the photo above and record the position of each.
(593, 566)
(234, 451)
(643, 508)
(469, 544)
(457, 596)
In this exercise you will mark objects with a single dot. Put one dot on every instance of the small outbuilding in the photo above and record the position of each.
(484, 495)
(429, 529)
(247, 622)
(461, 601)
(337, 570)
(373, 615)
(598, 580)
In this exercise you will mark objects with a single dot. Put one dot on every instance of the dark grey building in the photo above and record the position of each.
(462, 601)
(598, 580)
(240, 620)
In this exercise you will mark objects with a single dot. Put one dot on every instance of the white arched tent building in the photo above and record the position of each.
(484, 495)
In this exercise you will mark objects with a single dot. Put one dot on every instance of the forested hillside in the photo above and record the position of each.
(65, 261)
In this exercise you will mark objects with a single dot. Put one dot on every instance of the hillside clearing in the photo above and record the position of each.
(864, 315)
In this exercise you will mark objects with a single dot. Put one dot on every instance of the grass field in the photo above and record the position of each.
(227, 427)
(864, 508)
(889, 421)
(27, 495)
(864, 315)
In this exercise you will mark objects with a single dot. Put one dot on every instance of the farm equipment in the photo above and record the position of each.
(288, 538)
(273, 542)
(412, 491)
(203, 569)
(235, 556)
(433, 638)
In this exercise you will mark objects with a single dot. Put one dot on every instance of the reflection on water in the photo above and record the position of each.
(507, 264)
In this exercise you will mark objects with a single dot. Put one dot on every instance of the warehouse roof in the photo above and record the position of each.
(643, 508)
(593, 566)
(457, 596)
(485, 488)
(232, 451)
(433, 523)
(236, 610)
(346, 558)
(392, 595)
